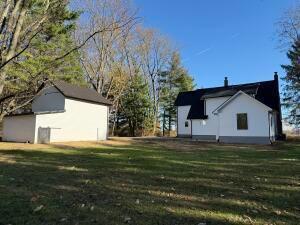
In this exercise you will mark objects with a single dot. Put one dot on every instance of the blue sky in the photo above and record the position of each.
(218, 38)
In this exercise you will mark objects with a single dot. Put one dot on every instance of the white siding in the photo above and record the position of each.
(50, 99)
(19, 128)
(183, 112)
(210, 125)
(82, 121)
(257, 113)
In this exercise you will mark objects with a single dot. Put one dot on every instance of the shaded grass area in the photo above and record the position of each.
(149, 182)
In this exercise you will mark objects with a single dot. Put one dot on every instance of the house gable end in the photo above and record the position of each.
(222, 106)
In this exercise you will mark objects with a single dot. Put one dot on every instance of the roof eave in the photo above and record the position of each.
(198, 118)
(81, 99)
(89, 101)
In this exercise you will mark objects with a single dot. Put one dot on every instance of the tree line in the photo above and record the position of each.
(289, 37)
(101, 44)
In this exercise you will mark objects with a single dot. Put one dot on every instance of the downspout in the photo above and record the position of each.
(177, 121)
(279, 118)
(191, 128)
(269, 127)
(218, 129)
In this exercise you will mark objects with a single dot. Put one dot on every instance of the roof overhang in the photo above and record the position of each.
(20, 114)
(58, 85)
(35, 113)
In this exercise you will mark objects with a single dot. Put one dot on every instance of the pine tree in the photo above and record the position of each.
(176, 79)
(291, 89)
(53, 41)
(136, 106)
(26, 73)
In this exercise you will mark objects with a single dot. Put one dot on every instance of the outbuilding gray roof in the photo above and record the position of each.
(80, 93)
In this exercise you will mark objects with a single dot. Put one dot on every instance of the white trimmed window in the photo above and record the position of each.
(242, 121)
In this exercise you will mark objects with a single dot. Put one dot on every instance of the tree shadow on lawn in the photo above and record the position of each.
(150, 184)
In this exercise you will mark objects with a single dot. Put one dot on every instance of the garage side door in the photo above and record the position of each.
(44, 135)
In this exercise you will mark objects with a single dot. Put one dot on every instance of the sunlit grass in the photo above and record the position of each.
(150, 182)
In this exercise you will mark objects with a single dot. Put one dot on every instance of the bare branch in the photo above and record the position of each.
(92, 35)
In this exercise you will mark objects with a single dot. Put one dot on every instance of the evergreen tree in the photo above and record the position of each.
(173, 81)
(291, 89)
(53, 41)
(136, 106)
(34, 66)
(26, 73)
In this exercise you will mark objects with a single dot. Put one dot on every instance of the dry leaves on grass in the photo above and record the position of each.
(39, 208)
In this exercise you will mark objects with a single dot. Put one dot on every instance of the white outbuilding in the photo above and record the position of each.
(61, 112)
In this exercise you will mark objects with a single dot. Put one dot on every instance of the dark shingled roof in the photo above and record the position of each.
(197, 111)
(80, 93)
(266, 92)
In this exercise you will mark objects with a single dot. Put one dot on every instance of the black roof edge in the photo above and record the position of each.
(234, 85)
(90, 101)
(205, 117)
(20, 114)
(35, 113)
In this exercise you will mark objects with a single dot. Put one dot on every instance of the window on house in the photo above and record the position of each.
(242, 121)
(186, 124)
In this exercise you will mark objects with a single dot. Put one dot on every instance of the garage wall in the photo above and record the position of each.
(19, 128)
(81, 121)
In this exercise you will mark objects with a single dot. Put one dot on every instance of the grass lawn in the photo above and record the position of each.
(145, 182)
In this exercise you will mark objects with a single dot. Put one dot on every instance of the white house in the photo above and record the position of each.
(62, 112)
(245, 113)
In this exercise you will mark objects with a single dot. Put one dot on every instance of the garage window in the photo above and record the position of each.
(242, 121)
(186, 124)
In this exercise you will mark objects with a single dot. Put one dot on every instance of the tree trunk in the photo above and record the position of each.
(115, 120)
(2, 79)
(164, 119)
(133, 129)
(17, 31)
(171, 103)
(154, 106)
(3, 17)
(113, 126)
(15, 38)
(2, 116)
(169, 123)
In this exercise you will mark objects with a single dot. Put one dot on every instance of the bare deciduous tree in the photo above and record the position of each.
(289, 27)
(155, 53)
(99, 56)
(107, 60)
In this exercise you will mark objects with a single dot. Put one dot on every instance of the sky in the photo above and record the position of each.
(218, 38)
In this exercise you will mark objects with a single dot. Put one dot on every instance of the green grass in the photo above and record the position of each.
(150, 182)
